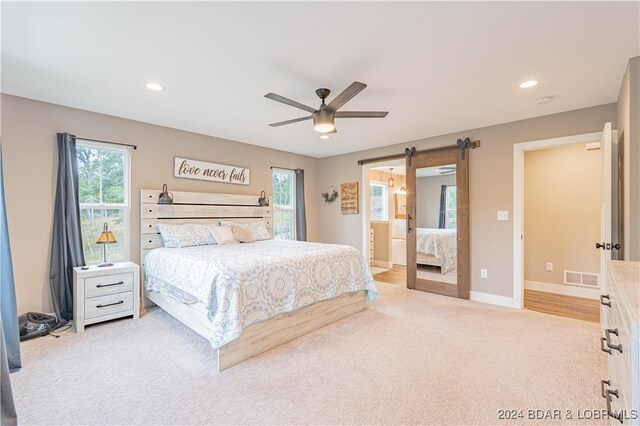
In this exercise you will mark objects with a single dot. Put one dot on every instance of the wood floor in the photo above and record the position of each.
(395, 275)
(548, 303)
(561, 305)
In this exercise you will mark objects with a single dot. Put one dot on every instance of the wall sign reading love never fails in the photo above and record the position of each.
(193, 169)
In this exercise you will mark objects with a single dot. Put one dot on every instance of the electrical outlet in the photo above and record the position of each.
(484, 273)
(549, 266)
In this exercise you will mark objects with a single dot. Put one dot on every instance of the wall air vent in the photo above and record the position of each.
(584, 279)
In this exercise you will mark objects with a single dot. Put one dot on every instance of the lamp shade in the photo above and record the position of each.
(323, 121)
(106, 237)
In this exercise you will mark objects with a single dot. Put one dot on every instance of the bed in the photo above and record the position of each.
(247, 298)
(437, 247)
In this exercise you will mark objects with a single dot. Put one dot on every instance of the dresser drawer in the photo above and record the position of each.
(107, 305)
(616, 321)
(108, 284)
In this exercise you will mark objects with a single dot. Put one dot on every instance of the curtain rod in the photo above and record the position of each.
(476, 144)
(285, 168)
(109, 142)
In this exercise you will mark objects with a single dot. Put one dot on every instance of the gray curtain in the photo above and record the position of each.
(301, 215)
(66, 244)
(9, 329)
(443, 207)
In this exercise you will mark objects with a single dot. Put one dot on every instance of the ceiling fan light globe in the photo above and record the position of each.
(324, 127)
(323, 121)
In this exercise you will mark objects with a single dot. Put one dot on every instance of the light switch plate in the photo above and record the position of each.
(503, 215)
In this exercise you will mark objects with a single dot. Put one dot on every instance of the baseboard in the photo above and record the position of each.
(382, 264)
(491, 299)
(566, 290)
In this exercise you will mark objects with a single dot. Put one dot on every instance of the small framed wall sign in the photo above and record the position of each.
(202, 170)
(349, 198)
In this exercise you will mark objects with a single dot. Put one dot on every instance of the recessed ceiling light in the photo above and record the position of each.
(324, 137)
(529, 83)
(154, 86)
(544, 100)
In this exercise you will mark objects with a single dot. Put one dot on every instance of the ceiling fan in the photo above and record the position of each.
(446, 170)
(324, 117)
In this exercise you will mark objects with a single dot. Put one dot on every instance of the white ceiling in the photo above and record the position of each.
(437, 67)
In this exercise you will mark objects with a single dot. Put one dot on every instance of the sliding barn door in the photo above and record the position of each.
(438, 223)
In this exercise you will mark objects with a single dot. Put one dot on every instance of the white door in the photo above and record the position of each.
(605, 204)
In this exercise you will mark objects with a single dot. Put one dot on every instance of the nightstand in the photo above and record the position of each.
(102, 294)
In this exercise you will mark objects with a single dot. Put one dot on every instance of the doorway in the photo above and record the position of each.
(384, 224)
(438, 222)
(557, 214)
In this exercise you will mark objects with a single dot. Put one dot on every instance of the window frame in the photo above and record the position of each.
(385, 199)
(126, 226)
(292, 197)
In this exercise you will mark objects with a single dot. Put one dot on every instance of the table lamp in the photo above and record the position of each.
(106, 237)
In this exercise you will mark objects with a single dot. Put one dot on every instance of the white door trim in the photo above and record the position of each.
(518, 202)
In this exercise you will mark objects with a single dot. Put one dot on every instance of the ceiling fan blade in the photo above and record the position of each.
(295, 120)
(346, 95)
(361, 114)
(289, 102)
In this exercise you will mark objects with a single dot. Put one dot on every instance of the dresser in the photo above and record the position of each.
(371, 244)
(105, 293)
(620, 323)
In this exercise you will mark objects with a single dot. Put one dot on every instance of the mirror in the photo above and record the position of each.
(436, 224)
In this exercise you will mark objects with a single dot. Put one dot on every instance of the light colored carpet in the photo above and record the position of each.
(412, 358)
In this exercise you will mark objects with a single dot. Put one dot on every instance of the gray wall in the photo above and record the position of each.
(491, 186)
(428, 199)
(29, 141)
(629, 134)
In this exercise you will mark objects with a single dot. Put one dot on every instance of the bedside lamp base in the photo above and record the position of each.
(103, 264)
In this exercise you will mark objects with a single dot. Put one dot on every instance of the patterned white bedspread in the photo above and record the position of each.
(441, 243)
(241, 284)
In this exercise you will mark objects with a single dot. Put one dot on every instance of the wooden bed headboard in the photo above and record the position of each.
(195, 207)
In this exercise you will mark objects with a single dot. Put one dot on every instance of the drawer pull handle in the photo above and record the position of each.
(110, 304)
(608, 332)
(602, 383)
(617, 416)
(602, 300)
(109, 285)
(603, 347)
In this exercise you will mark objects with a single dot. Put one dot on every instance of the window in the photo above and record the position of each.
(284, 202)
(450, 211)
(103, 175)
(379, 201)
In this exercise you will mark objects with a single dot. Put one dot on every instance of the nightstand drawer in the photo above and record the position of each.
(108, 284)
(107, 305)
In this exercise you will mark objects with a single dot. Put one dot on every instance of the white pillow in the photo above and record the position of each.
(176, 236)
(222, 234)
(202, 234)
(258, 229)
